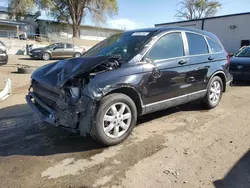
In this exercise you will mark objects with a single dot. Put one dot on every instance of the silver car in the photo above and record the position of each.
(56, 50)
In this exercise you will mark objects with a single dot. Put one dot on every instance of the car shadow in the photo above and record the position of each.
(238, 176)
(192, 106)
(240, 83)
(23, 133)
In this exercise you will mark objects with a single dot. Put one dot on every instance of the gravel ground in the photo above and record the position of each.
(184, 146)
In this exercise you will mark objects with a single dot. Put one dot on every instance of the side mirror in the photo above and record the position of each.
(147, 60)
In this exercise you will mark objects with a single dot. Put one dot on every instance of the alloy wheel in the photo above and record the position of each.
(46, 56)
(215, 92)
(117, 120)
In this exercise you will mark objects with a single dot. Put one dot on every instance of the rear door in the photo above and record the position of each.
(199, 61)
(69, 50)
(168, 68)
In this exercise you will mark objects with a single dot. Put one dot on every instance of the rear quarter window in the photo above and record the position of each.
(214, 46)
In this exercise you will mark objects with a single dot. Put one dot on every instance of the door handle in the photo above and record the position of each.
(182, 62)
(211, 58)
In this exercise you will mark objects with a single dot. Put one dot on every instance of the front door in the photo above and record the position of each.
(167, 69)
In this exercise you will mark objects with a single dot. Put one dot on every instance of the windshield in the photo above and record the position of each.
(245, 52)
(124, 45)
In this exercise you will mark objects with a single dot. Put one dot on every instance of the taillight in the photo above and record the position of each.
(83, 50)
(228, 58)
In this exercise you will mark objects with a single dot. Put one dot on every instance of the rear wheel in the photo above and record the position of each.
(46, 56)
(77, 55)
(214, 93)
(115, 119)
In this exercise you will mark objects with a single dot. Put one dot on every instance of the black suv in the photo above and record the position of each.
(128, 75)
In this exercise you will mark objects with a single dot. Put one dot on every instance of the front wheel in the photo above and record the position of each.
(214, 93)
(115, 119)
(46, 56)
(77, 55)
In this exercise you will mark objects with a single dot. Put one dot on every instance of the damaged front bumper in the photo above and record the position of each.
(76, 119)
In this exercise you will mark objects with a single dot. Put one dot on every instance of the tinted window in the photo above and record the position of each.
(214, 46)
(197, 44)
(59, 46)
(245, 52)
(69, 46)
(169, 46)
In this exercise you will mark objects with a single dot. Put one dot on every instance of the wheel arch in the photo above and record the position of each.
(132, 93)
(222, 75)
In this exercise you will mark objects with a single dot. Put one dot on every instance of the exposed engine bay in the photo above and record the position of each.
(76, 85)
(64, 105)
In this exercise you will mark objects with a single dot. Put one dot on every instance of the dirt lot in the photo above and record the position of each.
(184, 146)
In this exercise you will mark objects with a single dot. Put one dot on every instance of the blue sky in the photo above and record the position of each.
(145, 13)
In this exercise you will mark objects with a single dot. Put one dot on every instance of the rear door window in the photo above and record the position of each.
(60, 46)
(214, 46)
(197, 44)
(69, 46)
(169, 46)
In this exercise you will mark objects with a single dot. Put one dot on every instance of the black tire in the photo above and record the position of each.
(206, 102)
(77, 55)
(105, 103)
(44, 56)
(25, 70)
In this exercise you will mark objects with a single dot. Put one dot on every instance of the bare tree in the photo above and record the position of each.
(67, 11)
(195, 9)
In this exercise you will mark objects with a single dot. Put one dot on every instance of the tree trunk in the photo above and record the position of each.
(76, 31)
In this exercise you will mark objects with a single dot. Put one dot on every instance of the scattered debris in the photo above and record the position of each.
(5, 93)
(185, 151)
(26, 69)
(231, 142)
(166, 172)
(175, 174)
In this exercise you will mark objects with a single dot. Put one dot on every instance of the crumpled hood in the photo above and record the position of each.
(58, 73)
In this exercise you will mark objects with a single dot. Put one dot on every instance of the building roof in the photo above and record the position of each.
(3, 9)
(214, 17)
(12, 22)
(89, 26)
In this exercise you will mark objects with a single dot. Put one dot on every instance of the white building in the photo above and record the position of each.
(50, 29)
(233, 30)
(55, 29)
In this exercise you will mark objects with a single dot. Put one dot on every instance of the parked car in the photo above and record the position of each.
(128, 75)
(3, 54)
(57, 50)
(240, 64)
